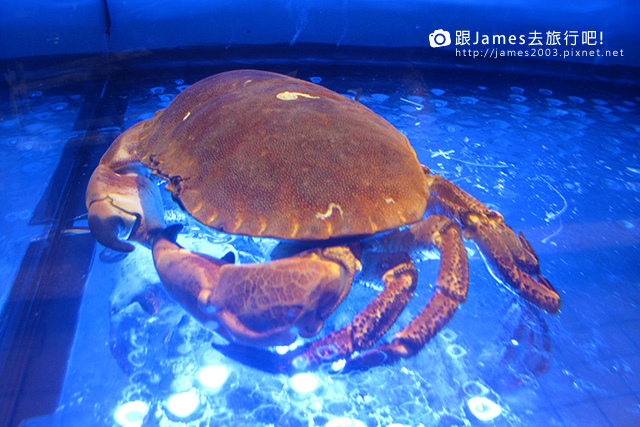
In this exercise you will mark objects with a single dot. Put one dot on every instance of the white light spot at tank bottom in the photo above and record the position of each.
(284, 349)
(213, 376)
(344, 422)
(291, 96)
(338, 365)
(131, 414)
(304, 383)
(183, 404)
(483, 408)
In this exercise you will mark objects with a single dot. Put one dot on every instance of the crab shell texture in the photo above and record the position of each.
(262, 154)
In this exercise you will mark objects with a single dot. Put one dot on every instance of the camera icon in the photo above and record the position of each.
(439, 38)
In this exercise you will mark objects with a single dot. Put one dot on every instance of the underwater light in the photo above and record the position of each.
(284, 349)
(344, 422)
(131, 414)
(304, 383)
(338, 365)
(213, 377)
(483, 408)
(183, 404)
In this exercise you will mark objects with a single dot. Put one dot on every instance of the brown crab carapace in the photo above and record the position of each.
(262, 154)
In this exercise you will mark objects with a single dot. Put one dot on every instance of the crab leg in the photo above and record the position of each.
(123, 203)
(258, 304)
(513, 255)
(400, 282)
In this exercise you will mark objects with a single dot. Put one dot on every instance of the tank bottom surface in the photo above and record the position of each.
(557, 157)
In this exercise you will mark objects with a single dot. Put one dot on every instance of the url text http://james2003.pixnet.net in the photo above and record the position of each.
(496, 53)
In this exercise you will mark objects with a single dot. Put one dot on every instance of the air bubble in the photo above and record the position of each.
(623, 109)
(446, 111)
(474, 388)
(627, 224)
(167, 97)
(554, 102)
(448, 335)
(59, 106)
(500, 124)
(438, 103)
(379, 97)
(456, 351)
(468, 100)
(557, 112)
(519, 108)
(44, 116)
(603, 110)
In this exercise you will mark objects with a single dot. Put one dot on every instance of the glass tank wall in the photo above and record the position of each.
(532, 109)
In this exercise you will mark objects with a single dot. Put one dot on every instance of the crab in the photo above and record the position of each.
(266, 155)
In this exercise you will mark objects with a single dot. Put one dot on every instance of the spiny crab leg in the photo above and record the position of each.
(400, 282)
(123, 204)
(512, 254)
(258, 304)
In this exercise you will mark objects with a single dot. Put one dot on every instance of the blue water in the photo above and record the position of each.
(557, 157)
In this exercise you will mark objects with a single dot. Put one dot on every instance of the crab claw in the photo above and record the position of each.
(514, 258)
(258, 304)
(122, 206)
